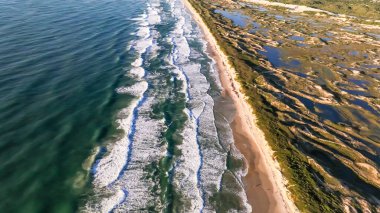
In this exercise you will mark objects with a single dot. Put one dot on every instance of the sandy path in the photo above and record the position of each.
(265, 186)
(301, 8)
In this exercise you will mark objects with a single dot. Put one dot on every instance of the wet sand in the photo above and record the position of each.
(264, 184)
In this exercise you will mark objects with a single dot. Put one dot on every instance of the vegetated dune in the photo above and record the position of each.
(312, 81)
(367, 9)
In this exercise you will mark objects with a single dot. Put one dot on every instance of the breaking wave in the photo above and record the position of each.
(123, 180)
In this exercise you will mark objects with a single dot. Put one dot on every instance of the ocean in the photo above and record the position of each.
(112, 106)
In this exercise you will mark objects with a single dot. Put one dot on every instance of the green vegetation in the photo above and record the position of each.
(360, 8)
(324, 143)
(308, 194)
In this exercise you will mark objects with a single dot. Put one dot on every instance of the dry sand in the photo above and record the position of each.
(264, 183)
(291, 7)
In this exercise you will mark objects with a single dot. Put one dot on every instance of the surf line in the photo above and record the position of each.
(195, 120)
(179, 65)
(142, 55)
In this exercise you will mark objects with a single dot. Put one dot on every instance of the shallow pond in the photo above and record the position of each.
(357, 92)
(237, 18)
(274, 56)
(297, 38)
(365, 106)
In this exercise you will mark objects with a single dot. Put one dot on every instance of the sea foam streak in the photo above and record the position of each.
(186, 174)
(212, 155)
(120, 177)
(145, 134)
(113, 183)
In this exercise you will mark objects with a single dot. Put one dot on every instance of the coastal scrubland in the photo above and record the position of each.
(360, 8)
(313, 83)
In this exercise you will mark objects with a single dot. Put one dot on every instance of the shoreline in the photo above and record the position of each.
(264, 184)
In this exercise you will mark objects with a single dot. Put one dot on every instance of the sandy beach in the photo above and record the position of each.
(264, 183)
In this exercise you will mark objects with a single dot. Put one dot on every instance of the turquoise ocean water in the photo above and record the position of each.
(112, 106)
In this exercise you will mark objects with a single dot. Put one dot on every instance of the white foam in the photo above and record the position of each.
(201, 108)
(137, 72)
(186, 169)
(121, 190)
(137, 89)
(185, 177)
(142, 45)
(140, 18)
(214, 157)
(182, 49)
(106, 204)
(109, 167)
(138, 62)
(131, 190)
(146, 149)
(153, 15)
(143, 32)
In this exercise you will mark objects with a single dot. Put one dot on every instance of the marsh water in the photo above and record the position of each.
(321, 73)
(109, 106)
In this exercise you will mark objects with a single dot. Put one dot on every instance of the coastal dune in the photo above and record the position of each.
(264, 184)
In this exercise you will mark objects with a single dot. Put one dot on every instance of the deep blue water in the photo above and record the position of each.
(60, 62)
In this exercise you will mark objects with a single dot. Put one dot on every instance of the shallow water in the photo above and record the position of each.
(275, 57)
(365, 106)
(297, 38)
(237, 18)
